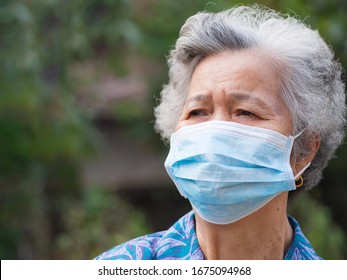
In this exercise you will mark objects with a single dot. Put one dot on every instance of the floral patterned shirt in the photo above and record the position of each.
(179, 242)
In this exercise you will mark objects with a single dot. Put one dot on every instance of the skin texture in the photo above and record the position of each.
(243, 87)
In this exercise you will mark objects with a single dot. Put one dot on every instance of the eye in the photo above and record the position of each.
(197, 113)
(245, 113)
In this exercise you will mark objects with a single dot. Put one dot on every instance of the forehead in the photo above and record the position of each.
(237, 74)
(233, 70)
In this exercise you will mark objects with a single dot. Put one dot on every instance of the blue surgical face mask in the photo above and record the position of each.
(229, 170)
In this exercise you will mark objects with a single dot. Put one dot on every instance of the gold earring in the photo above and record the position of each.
(299, 182)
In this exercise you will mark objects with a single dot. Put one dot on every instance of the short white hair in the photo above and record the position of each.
(311, 83)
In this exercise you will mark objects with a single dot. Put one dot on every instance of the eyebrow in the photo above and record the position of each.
(199, 98)
(244, 97)
(237, 96)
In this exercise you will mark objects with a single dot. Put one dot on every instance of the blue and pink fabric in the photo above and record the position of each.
(179, 242)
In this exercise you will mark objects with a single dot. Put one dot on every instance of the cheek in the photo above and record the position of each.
(178, 126)
(285, 125)
(283, 120)
(182, 123)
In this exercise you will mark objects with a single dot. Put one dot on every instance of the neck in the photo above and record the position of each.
(264, 234)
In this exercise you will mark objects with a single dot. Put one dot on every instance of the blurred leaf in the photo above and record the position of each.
(327, 238)
(45, 135)
(96, 223)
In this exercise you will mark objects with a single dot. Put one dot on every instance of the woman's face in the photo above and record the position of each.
(238, 87)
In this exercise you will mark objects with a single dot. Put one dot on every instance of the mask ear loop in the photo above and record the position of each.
(299, 134)
(299, 181)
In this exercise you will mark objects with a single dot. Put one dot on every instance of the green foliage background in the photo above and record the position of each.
(45, 134)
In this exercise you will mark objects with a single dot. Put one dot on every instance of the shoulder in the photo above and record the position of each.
(140, 248)
(178, 242)
(301, 248)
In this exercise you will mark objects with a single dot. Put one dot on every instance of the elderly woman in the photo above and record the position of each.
(254, 109)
